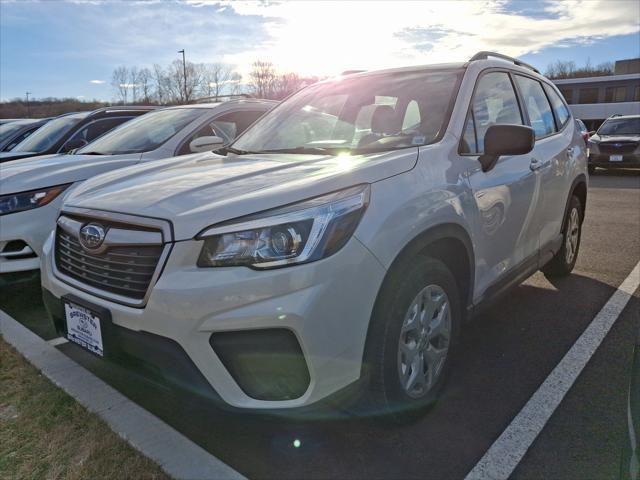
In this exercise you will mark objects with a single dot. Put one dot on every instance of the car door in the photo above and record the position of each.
(508, 196)
(551, 154)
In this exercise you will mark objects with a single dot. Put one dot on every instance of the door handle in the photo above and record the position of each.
(535, 164)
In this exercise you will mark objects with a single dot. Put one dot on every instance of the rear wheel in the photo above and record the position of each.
(415, 328)
(563, 262)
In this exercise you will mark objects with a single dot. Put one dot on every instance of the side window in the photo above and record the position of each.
(537, 106)
(412, 118)
(494, 101)
(93, 130)
(227, 127)
(559, 107)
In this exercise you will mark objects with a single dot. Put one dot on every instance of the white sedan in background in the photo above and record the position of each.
(32, 189)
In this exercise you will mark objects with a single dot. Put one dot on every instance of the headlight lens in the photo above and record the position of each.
(18, 202)
(299, 233)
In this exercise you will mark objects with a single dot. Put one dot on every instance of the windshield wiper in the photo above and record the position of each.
(237, 151)
(307, 150)
(92, 153)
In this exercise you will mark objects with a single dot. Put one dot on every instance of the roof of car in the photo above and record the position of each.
(29, 121)
(241, 101)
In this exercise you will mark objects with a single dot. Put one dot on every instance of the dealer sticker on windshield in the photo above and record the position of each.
(83, 328)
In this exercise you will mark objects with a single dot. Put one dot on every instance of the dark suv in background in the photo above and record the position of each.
(71, 131)
(616, 144)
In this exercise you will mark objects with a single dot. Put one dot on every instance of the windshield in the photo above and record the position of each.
(623, 126)
(386, 111)
(48, 135)
(7, 130)
(143, 134)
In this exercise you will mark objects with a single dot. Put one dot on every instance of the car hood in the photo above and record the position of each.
(615, 138)
(199, 190)
(49, 170)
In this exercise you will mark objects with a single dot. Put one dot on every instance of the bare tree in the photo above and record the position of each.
(567, 69)
(262, 79)
(219, 79)
(133, 83)
(119, 82)
(144, 81)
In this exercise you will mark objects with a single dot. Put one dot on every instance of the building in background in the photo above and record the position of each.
(593, 99)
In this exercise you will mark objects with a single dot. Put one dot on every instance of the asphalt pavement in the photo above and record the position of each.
(506, 354)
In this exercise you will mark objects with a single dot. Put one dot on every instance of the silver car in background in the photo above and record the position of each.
(32, 189)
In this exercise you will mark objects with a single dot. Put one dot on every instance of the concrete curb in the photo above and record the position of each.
(176, 454)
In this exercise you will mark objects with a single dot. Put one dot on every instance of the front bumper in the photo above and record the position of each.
(326, 305)
(28, 231)
(631, 160)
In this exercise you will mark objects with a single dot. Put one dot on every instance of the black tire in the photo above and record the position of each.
(386, 395)
(591, 169)
(560, 265)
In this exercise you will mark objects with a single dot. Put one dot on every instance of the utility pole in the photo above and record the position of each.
(184, 73)
(28, 111)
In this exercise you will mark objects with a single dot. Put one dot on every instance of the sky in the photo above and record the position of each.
(56, 48)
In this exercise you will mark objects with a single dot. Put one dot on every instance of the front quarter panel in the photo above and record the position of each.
(434, 193)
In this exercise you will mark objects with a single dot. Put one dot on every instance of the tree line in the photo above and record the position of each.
(179, 83)
(561, 69)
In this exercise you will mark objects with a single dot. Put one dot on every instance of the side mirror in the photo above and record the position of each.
(205, 144)
(73, 144)
(505, 140)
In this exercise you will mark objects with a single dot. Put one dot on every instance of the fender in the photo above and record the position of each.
(580, 179)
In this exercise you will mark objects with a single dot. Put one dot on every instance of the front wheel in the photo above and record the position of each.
(415, 328)
(563, 262)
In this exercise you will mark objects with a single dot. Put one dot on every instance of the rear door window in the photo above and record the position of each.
(537, 105)
(559, 107)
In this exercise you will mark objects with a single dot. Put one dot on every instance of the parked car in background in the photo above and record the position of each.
(31, 190)
(12, 133)
(616, 144)
(582, 128)
(345, 236)
(73, 130)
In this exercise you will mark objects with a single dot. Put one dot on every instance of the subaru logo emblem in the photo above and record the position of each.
(91, 236)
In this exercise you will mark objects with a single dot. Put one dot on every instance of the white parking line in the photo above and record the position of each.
(54, 342)
(508, 450)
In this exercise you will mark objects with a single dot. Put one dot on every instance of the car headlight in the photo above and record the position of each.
(298, 233)
(18, 202)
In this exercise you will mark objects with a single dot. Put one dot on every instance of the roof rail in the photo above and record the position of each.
(485, 55)
(351, 72)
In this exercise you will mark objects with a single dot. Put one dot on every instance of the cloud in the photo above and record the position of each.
(327, 37)
(97, 82)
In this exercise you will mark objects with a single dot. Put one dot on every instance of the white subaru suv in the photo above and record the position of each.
(342, 240)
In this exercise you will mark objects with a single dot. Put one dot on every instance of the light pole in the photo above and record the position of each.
(28, 112)
(184, 73)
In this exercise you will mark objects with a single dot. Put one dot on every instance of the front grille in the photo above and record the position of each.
(617, 148)
(121, 270)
